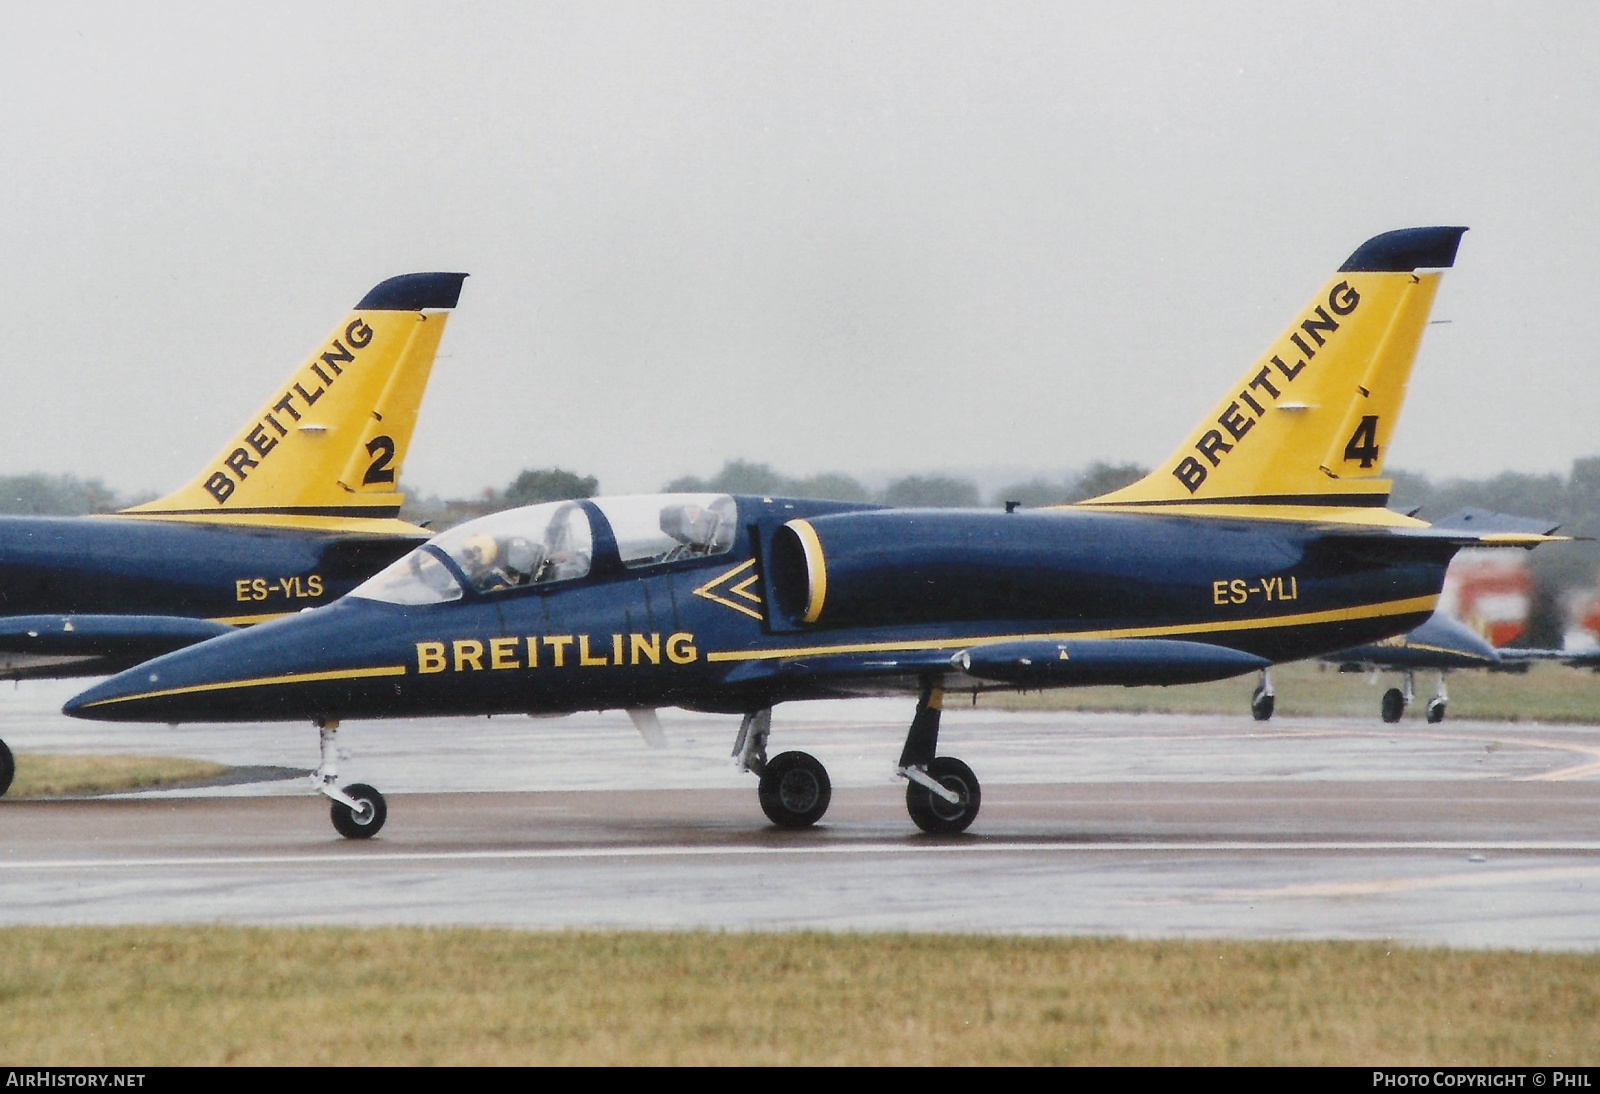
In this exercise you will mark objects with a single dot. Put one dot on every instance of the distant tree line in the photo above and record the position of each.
(529, 488)
(56, 495)
(910, 491)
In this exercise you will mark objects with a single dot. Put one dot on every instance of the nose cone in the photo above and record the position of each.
(307, 666)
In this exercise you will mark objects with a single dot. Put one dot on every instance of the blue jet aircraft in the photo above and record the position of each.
(1264, 538)
(299, 508)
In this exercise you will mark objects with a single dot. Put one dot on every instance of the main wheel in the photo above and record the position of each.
(795, 790)
(1261, 705)
(8, 768)
(1394, 705)
(365, 824)
(1436, 710)
(932, 813)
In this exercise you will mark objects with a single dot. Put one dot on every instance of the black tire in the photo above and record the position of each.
(935, 815)
(8, 768)
(365, 826)
(1261, 706)
(795, 790)
(1394, 705)
(1436, 710)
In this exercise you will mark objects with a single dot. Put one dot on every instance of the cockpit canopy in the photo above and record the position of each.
(555, 542)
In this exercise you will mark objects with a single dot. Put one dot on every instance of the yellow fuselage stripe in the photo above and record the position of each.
(249, 620)
(261, 681)
(1336, 615)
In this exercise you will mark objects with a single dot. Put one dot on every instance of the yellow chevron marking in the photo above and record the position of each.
(710, 590)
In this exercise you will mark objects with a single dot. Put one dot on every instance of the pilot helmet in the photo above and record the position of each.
(479, 552)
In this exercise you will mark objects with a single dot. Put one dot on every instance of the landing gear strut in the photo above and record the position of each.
(1440, 700)
(942, 794)
(358, 810)
(1261, 703)
(795, 789)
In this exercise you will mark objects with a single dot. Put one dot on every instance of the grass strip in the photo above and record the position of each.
(225, 995)
(1546, 693)
(46, 775)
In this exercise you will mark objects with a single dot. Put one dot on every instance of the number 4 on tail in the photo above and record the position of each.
(1363, 443)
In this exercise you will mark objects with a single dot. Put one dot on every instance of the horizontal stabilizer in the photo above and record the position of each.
(1578, 659)
(1073, 663)
(1486, 522)
(1466, 528)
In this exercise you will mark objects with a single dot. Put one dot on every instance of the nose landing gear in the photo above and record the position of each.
(358, 811)
(795, 789)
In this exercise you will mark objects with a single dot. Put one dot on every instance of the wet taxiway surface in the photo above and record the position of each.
(1470, 834)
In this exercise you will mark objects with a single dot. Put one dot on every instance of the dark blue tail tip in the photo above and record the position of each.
(1405, 250)
(415, 292)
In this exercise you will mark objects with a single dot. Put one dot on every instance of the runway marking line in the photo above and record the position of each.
(568, 853)
(1384, 886)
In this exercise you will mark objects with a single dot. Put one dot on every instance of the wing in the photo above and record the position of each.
(33, 646)
(1030, 664)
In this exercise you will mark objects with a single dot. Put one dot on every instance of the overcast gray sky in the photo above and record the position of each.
(864, 237)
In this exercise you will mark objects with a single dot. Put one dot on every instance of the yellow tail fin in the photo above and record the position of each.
(326, 451)
(1304, 433)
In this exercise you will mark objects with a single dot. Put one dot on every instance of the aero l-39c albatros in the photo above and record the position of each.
(1265, 537)
(296, 511)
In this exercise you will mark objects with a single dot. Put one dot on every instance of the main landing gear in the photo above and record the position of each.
(1262, 702)
(942, 793)
(1396, 700)
(358, 810)
(8, 768)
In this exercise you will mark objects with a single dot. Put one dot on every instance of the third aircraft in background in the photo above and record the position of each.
(1264, 538)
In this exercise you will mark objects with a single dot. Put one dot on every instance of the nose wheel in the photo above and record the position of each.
(368, 815)
(795, 790)
(8, 768)
(358, 810)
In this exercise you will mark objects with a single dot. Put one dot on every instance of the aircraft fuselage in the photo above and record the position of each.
(78, 572)
(907, 589)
